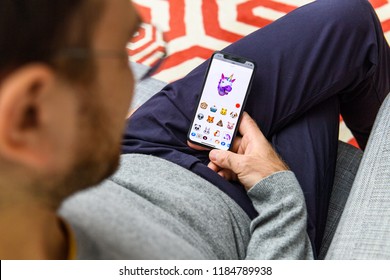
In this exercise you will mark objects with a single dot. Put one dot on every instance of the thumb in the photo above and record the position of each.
(225, 159)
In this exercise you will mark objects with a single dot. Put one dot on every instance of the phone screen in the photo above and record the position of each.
(222, 100)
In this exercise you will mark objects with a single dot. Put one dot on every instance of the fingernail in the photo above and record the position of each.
(213, 155)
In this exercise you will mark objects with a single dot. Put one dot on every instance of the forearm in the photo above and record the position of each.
(279, 232)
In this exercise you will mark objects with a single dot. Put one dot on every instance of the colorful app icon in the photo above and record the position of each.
(210, 119)
(206, 130)
(223, 144)
(230, 125)
(204, 105)
(205, 138)
(217, 133)
(213, 109)
(233, 115)
(228, 146)
(199, 135)
(238, 105)
(227, 136)
(223, 111)
(193, 134)
(220, 123)
(197, 127)
(200, 116)
(217, 142)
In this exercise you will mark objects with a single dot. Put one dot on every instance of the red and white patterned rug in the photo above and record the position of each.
(195, 28)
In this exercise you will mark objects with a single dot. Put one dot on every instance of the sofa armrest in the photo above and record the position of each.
(347, 165)
(364, 228)
(145, 89)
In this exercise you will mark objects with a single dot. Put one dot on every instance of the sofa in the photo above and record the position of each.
(358, 224)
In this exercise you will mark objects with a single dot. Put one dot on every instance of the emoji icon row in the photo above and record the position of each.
(220, 123)
(211, 140)
(217, 133)
(210, 119)
(214, 109)
(225, 136)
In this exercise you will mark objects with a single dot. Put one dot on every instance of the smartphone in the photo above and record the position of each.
(224, 92)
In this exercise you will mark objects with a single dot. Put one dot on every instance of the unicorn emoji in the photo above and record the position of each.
(225, 85)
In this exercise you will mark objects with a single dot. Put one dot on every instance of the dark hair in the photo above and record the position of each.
(37, 30)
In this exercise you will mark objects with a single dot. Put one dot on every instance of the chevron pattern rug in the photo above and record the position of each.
(195, 28)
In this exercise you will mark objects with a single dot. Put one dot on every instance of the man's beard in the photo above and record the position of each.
(96, 156)
(92, 167)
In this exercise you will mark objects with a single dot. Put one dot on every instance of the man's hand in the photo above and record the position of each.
(252, 159)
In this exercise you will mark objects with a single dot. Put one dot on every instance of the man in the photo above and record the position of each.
(309, 70)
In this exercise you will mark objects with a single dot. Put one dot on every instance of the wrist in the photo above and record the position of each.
(264, 171)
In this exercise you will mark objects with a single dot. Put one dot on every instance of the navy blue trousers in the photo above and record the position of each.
(323, 59)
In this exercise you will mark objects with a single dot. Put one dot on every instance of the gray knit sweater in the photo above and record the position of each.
(154, 209)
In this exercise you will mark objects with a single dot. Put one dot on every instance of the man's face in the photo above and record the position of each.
(102, 113)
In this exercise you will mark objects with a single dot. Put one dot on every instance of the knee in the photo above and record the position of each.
(347, 5)
(347, 14)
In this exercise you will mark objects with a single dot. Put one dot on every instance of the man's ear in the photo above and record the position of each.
(22, 94)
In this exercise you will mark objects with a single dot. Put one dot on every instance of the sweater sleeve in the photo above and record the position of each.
(279, 232)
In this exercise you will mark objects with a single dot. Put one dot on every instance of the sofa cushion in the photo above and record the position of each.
(364, 228)
(348, 161)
